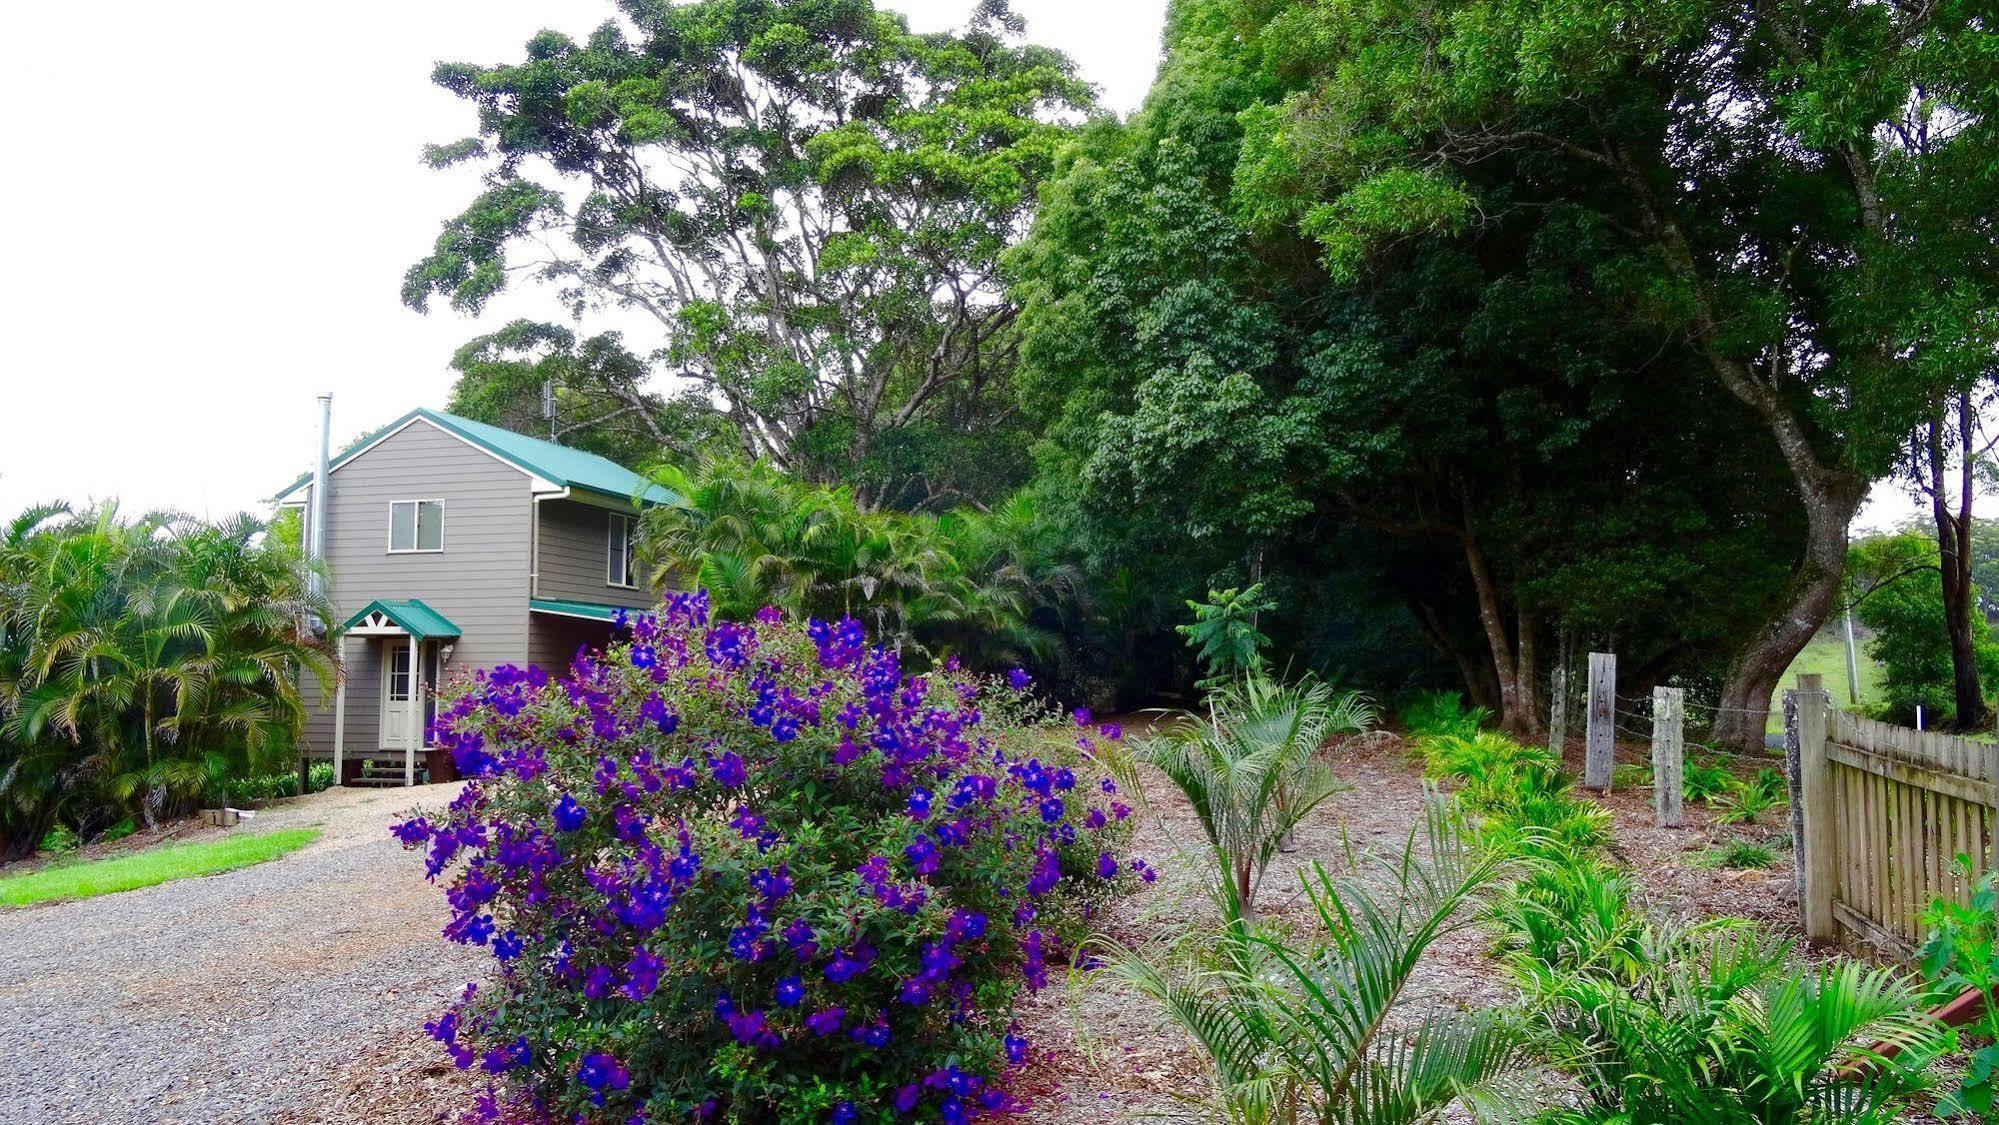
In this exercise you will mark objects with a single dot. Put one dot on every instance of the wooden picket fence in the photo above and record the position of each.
(1885, 811)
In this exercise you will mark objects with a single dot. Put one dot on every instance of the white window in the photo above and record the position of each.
(416, 525)
(618, 551)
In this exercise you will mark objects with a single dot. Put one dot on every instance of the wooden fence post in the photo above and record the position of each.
(1815, 841)
(1668, 752)
(1797, 812)
(1600, 735)
(1558, 712)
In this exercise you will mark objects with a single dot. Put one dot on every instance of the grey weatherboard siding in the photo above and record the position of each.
(575, 554)
(479, 580)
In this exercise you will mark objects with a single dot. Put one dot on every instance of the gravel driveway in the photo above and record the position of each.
(292, 991)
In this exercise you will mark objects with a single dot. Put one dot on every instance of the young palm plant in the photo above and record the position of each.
(1317, 1034)
(1249, 768)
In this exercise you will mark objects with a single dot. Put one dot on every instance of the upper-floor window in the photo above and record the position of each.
(416, 525)
(618, 551)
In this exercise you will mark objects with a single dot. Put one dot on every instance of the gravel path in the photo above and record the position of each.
(294, 990)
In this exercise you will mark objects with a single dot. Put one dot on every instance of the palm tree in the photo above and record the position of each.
(146, 660)
(1314, 1034)
(966, 582)
(1249, 768)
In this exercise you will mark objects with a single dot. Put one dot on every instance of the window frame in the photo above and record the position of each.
(416, 527)
(611, 542)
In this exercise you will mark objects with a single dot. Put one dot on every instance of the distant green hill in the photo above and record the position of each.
(1826, 655)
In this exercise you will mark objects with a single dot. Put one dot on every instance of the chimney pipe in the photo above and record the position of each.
(316, 532)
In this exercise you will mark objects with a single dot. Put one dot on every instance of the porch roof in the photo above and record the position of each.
(592, 611)
(407, 616)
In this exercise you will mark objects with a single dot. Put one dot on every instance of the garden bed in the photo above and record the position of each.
(1110, 1056)
(1106, 1055)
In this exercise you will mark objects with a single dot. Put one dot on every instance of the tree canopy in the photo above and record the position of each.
(806, 202)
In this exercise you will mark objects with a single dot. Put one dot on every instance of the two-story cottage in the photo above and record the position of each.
(452, 545)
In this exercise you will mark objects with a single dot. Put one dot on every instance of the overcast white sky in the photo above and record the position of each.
(213, 204)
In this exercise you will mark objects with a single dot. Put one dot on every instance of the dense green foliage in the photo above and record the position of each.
(990, 586)
(805, 201)
(1896, 588)
(143, 663)
(1962, 953)
(1787, 199)
(1710, 1023)
(1443, 469)
(1478, 334)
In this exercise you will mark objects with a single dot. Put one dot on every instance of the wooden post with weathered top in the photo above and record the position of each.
(1558, 711)
(1600, 733)
(1668, 753)
(1814, 796)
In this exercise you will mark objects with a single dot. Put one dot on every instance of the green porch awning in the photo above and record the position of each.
(408, 616)
(589, 611)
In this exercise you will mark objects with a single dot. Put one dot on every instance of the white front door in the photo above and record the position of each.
(396, 700)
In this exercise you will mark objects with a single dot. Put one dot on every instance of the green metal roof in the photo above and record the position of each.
(570, 468)
(591, 610)
(415, 618)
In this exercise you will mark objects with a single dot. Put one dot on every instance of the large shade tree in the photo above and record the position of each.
(1469, 425)
(803, 200)
(1800, 192)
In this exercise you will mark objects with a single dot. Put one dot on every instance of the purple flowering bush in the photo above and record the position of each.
(737, 871)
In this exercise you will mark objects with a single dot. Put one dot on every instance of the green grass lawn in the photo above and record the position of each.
(157, 865)
(1826, 655)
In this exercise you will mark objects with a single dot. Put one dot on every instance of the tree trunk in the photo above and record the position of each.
(1830, 502)
(1531, 710)
(1477, 688)
(1954, 550)
(1491, 614)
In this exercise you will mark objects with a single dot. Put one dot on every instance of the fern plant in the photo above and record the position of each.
(1224, 634)
(1701, 781)
(1314, 1033)
(1442, 713)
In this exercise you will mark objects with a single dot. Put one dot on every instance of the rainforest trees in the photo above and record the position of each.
(803, 201)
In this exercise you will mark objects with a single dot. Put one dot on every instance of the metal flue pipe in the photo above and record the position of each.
(316, 533)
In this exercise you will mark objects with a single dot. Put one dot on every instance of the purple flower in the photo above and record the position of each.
(1018, 679)
(919, 803)
(568, 815)
(508, 946)
(846, 966)
(1107, 866)
(601, 1072)
(790, 991)
(1081, 715)
(728, 770)
(965, 925)
(642, 973)
(825, 1021)
(1016, 1048)
(772, 885)
(874, 1036)
(1051, 810)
